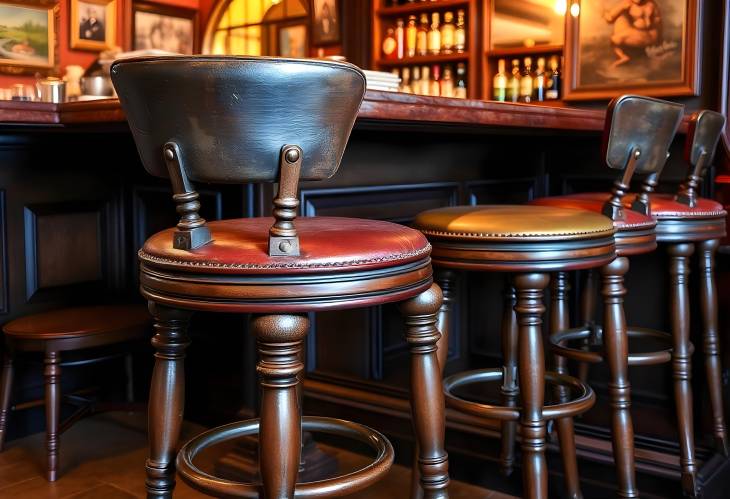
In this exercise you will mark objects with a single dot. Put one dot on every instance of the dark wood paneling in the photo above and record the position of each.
(3, 256)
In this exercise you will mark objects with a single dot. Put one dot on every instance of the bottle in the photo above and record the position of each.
(422, 36)
(435, 88)
(526, 81)
(411, 36)
(499, 89)
(552, 91)
(425, 81)
(434, 36)
(460, 89)
(460, 32)
(447, 33)
(447, 83)
(390, 45)
(513, 84)
(416, 80)
(405, 83)
(400, 39)
(540, 80)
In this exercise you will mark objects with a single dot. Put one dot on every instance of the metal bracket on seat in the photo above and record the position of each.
(687, 194)
(192, 232)
(283, 239)
(613, 208)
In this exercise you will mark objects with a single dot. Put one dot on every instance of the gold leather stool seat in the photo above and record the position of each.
(513, 238)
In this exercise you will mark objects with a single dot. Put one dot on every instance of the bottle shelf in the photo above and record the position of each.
(519, 51)
(417, 7)
(424, 59)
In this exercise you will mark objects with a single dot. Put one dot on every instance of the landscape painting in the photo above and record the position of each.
(26, 35)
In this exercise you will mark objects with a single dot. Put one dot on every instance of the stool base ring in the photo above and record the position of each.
(330, 487)
(574, 407)
(635, 359)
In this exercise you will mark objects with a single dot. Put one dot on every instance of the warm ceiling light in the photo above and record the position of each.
(560, 7)
(575, 10)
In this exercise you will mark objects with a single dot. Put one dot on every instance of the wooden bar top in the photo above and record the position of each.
(376, 107)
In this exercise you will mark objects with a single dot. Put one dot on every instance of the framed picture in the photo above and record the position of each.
(166, 28)
(28, 42)
(325, 22)
(292, 41)
(93, 24)
(648, 47)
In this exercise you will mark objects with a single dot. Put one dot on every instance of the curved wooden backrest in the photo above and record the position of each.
(705, 128)
(231, 116)
(640, 123)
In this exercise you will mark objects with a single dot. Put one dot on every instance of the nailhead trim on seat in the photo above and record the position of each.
(690, 213)
(515, 234)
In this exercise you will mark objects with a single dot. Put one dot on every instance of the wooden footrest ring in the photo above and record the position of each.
(578, 405)
(330, 487)
(558, 346)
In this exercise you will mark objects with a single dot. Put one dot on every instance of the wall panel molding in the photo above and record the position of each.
(4, 291)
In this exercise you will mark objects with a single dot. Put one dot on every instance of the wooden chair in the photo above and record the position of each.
(57, 331)
(248, 119)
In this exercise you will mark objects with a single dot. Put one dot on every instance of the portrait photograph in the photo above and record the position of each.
(617, 46)
(27, 35)
(164, 29)
(293, 41)
(93, 24)
(325, 22)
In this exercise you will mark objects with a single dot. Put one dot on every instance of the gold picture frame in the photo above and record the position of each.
(93, 24)
(29, 37)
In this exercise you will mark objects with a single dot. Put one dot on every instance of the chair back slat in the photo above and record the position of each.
(705, 128)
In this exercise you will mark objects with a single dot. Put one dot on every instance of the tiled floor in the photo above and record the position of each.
(103, 456)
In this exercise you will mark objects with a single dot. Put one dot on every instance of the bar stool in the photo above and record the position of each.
(248, 119)
(530, 242)
(637, 137)
(57, 331)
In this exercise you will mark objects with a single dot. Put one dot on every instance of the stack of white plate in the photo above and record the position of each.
(380, 80)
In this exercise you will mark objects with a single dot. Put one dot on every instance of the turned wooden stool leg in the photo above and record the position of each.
(427, 395)
(279, 339)
(559, 321)
(588, 316)
(682, 361)
(509, 389)
(531, 372)
(713, 366)
(52, 374)
(167, 397)
(6, 387)
(616, 351)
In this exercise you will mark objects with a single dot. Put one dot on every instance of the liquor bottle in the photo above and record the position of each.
(499, 90)
(540, 80)
(526, 81)
(460, 32)
(434, 36)
(416, 80)
(390, 45)
(513, 84)
(411, 36)
(553, 81)
(425, 80)
(447, 83)
(460, 89)
(422, 36)
(400, 39)
(435, 88)
(447, 33)
(405, 84)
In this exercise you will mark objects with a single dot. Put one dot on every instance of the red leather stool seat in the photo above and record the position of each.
(240, 246)
(664, 206)
(594, 201)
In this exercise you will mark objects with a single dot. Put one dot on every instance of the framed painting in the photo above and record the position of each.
(28, 37)
(292, 41)
(325, 22)
(165, 28)
(648, 47)
(93, 24)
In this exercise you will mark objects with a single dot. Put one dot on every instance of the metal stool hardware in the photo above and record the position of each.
(192, 232)
(613, 208)
(283, 240)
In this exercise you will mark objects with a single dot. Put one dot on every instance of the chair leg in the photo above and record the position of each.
(713, 367)
(279, 339)
(531, 372)
(682, 362)
(587, 315)
(616, 351)
(52, 375)
(167, 397)
(559, 321)
(509, 389)
(5, 390)
(427, 395)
